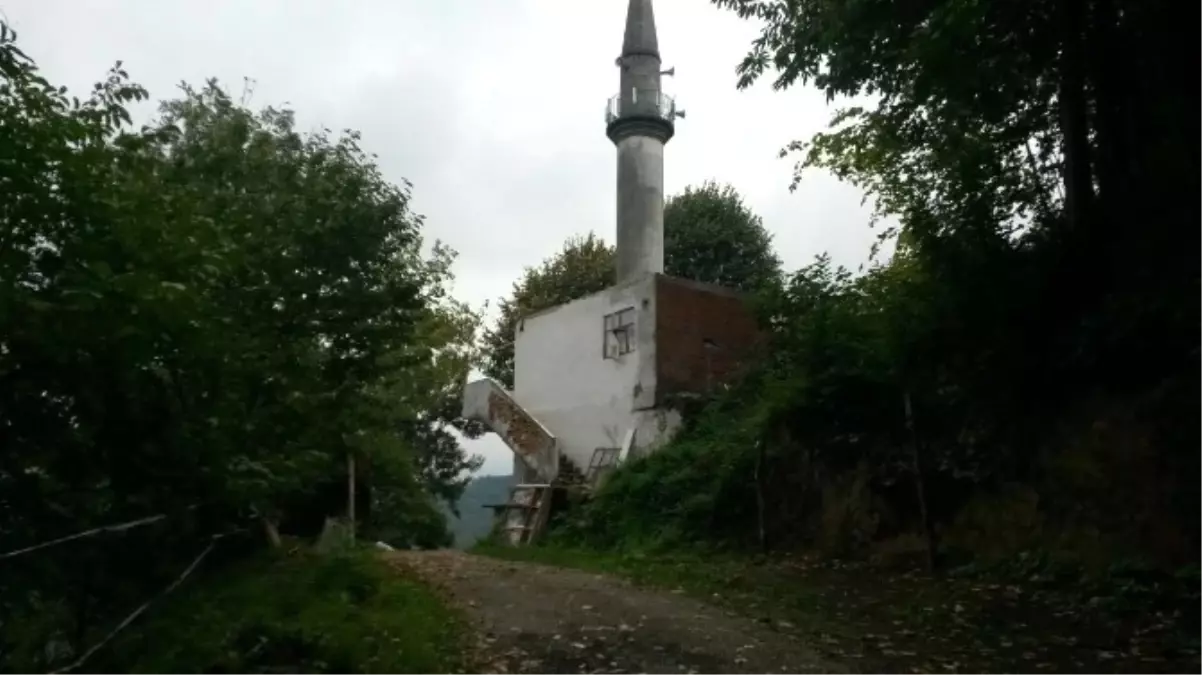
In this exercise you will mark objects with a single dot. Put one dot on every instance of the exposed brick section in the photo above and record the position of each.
(687, 314)
(521, 432)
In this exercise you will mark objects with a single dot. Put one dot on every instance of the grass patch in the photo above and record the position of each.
(298, 612)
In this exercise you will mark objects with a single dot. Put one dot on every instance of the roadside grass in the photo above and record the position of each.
(296, 611)
(879, 619)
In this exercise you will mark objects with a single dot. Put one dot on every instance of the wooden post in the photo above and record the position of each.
(919, 483)
(350, 491)
(761, 478)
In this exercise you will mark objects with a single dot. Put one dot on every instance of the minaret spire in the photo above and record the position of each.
(640, 121)
(640, 30)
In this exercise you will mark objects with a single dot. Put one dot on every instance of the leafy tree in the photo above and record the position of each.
(1031, 283)
(585, 265)
(710, 235)
(995, 122)
(1004, 137)
(426, 396)
(353, 314)
(203, 318)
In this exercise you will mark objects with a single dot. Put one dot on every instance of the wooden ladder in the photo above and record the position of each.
(524, 517)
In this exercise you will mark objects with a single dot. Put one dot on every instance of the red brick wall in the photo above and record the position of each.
(686, 314)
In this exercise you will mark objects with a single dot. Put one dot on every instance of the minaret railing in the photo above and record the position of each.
(640, 102)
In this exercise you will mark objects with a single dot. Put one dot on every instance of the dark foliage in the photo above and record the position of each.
(1023, 373)
(206, 318)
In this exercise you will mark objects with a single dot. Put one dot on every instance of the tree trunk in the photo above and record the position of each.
(761, 473)
(272, 530)
(928, 533)
(1074, 118)
(1119, 76)
(1111, 93)
(807, 492)
(350, 491)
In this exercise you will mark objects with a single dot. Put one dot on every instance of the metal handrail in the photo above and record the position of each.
(641, 102)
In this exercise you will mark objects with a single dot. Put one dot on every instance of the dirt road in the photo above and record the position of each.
(537, 619)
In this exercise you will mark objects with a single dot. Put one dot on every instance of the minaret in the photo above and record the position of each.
(639, 122)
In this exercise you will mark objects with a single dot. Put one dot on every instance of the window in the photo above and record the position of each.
(619, 333)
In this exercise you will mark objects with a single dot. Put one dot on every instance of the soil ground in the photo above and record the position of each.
(583, 614)
(538, 619)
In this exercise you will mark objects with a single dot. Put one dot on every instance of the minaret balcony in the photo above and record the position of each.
(641, 103)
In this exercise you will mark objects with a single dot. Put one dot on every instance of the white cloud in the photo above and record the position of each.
(493, 110)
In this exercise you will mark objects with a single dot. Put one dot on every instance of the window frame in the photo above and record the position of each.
(623, 320)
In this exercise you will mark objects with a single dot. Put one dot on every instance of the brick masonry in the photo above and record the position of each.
(521, 432)
(689, 313)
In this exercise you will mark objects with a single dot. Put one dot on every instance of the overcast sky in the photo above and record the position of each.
(492, 108)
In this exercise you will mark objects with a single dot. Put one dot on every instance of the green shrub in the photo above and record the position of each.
(849, 520)
(698, 490)
(996, 525)
(339, 613)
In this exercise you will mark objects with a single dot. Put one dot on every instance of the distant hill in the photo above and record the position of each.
(475, 521)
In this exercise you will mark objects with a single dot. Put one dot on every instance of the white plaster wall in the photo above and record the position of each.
(653, 428)
(562, 378)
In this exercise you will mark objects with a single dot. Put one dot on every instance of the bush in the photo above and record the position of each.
(299, 612)
(698, 491)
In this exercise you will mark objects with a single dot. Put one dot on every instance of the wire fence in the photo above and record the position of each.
(103, 529)
(57, 605)
(142, 608)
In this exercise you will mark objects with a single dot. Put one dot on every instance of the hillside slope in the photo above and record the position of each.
(474, 521)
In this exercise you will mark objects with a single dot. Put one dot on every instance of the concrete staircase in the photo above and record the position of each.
(487, 401)
(524, 516)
